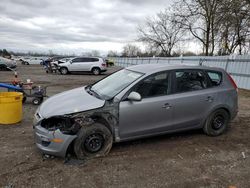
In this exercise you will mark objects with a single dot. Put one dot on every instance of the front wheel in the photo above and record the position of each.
(93, 141)
(217, 123)
(64, 70)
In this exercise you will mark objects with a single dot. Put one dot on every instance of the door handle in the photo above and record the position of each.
(166, 106)
(209, 99)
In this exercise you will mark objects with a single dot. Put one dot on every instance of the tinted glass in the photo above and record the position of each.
(76, 60)
(113, 84)
(215, 77)
(153, 86)
(189, 80)
(94, 59)
(85, 59)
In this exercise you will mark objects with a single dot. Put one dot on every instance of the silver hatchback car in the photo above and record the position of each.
(136, 102)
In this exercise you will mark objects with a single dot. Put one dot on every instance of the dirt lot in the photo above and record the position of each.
(189, 159)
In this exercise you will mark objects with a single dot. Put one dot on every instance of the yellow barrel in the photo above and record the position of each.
(10, 107)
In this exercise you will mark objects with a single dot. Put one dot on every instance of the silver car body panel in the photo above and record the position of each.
(72, 101)
(136, 119)
(58, 149)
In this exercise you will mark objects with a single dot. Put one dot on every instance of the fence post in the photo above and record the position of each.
(227, 64)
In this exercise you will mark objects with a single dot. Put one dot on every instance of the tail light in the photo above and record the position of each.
(232, 82)
(104, 64)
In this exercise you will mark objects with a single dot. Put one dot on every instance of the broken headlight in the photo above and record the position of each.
(66, 125)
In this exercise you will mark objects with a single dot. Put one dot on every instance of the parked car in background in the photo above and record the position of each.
(24, 62)
(136, 102)
(95, 65)
(7, 63)
(4, 67)
(31, 60)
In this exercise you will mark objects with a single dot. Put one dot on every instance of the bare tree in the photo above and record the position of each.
(161, 33)
(112, 54)
(202, 19)
(235, 27)
(130, 50)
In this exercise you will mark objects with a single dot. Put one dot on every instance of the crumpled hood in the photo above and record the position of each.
(75, 100)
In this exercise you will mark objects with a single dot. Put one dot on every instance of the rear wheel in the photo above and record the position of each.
(217, 123)
(64, 70)
(96, 71)
(93, 141)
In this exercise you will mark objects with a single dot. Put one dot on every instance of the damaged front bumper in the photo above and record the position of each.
(52, 142)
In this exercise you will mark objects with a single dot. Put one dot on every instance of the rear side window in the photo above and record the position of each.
(85, 59)
(189, 80)
(94, 59)
(215, 77)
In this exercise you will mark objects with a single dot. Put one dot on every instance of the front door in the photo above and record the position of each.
(80, 64)
(152, 114)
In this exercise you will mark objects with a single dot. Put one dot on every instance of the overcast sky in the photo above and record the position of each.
(67, 26)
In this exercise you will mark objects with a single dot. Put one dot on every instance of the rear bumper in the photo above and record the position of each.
(234, 114)
(104, 70)
(47, 141)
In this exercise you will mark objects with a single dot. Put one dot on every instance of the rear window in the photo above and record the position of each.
(215, 77)
(94, 59)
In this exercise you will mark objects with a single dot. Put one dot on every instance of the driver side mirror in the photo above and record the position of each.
(134, 96)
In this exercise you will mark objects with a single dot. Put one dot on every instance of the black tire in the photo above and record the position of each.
(93, 141)
(36, 101)
(96, 71)
(64, 70)
(217, 123)
(24, 99)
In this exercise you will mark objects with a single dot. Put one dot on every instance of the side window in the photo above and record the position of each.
(94, 59)
(153, 86)
(215, 77)
(76, 60)
(189, 80)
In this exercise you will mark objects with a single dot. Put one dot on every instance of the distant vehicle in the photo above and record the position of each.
(7, 63)
(32, 60)
(136, 102)
(4, 67)
(24, 62)
(95, 65)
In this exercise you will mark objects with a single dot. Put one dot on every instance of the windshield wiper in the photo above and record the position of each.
(93, 92)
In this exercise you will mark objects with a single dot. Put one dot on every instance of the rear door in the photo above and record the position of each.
(81, 64)
(193, 96)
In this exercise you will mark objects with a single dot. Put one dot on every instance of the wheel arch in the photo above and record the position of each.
(102, 120)
(224, 107)
(95, 67)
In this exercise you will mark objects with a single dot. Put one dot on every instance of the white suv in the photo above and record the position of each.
(95, 65)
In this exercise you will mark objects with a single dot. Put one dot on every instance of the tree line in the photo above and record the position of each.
(220, 27)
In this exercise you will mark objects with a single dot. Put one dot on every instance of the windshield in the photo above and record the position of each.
(115, 83)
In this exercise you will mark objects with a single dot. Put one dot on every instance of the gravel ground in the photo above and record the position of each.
(188, 159)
